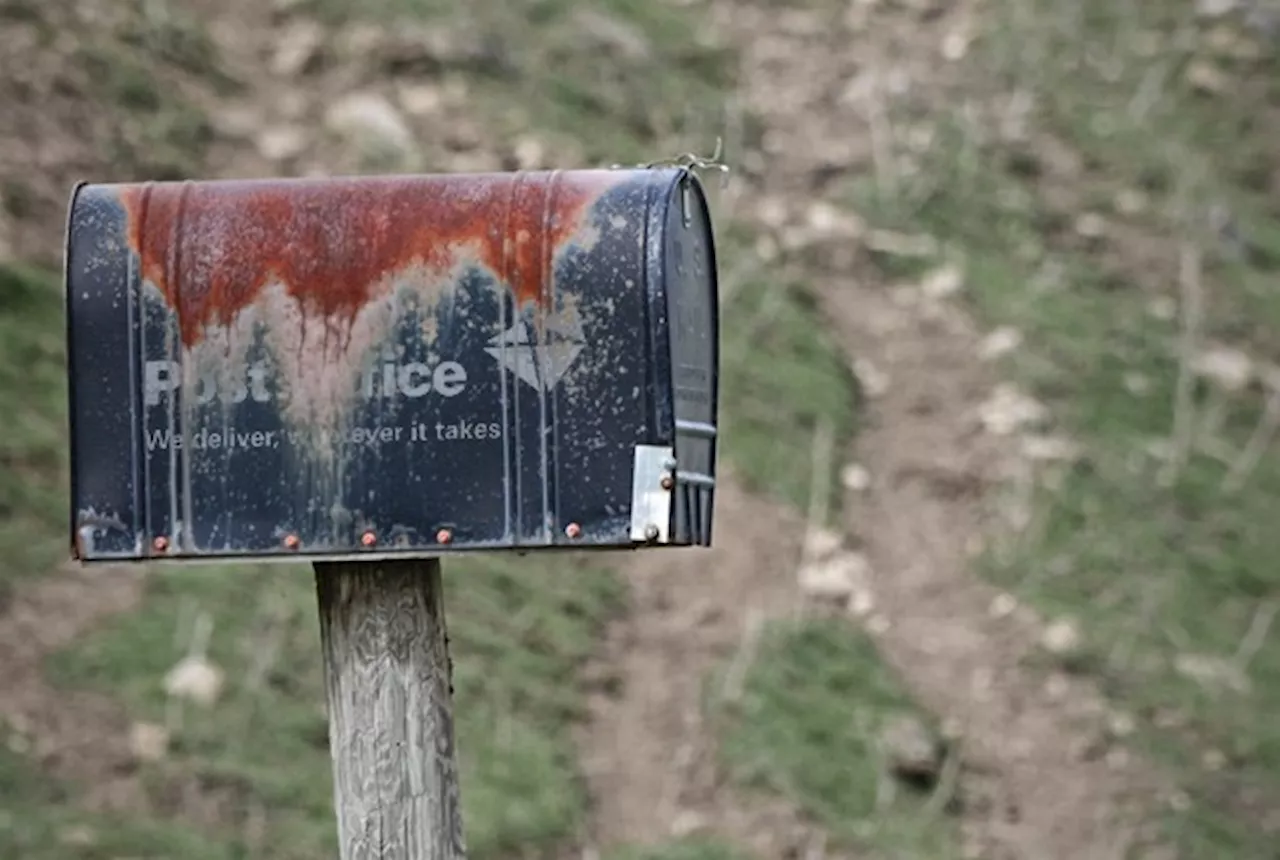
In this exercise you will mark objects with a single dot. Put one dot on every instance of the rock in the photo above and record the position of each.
(1091, 225)
(901, 244)
(78, 836)
(359, 42)
(614, 35)
(1213, 760)
(298, 49)
(1163, 308)
(956, 45)
(1057, 686)
(830, 572)
(772, 212)
(148, 742)
(1215, 8)
(874, 382)
(1008, 410)
(529, 153)
(855, 477)
(912, 751)
(1130, 201)
(878, 624)
(281, 142)
(196, 679)
(371, 122)
(1121, 724)
(862, 603)
(1000, 343)
(834, 578)
(1229, 42)
(236, 122)
(1003, 605)
(475, 161)
(821, 543)
(1207, 78)
(1044, 449)
(942, 283)
(828, 221)
(1228, 368)
(421, 99)
(1061, 638)
(687, 823)
(1212, 672)
(1137, 384)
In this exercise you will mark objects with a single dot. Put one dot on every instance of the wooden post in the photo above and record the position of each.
(388, 678)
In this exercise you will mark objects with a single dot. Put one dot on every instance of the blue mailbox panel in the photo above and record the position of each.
(332, 368)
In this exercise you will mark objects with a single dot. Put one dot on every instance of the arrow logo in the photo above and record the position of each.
(541, 365)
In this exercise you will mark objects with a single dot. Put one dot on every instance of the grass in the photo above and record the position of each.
(784, 378)
(165, 134)
(518, 632)
(806, 727)
(540, 67)
(687, 849)
(519, 628)
(32, 450)
(1162, 573)
(38, 822)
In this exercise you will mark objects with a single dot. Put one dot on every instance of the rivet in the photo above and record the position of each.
(161, 544)
(669, 464)
(291, 542)
(368, 538)
(573, 531)
(651, 532)
(444, 536)
(667, 482)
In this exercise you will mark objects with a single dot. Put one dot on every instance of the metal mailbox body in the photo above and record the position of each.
(391, 365)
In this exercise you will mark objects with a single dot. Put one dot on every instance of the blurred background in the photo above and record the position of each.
(996, 551)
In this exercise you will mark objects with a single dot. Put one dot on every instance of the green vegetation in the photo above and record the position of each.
(518, 630)
(690, 849)
(784, 378)
(37, 822)
(32, 450)
(1169, 565)
(806, 726)
(540, 66)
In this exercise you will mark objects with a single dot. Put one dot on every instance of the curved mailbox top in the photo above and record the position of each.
(379, 365)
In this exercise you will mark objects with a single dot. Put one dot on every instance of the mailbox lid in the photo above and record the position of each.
(367, 365)
(693, 333)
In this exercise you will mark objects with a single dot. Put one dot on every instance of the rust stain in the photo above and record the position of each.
(212, 247)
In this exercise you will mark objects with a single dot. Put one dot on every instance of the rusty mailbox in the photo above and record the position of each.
(329, 368)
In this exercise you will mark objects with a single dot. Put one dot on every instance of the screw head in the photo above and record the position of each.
(444, 536)
(573, 531)
(160, 544)
(651, 532)
(669, 464)
(291, 542)
(368, 538)
(667, 482)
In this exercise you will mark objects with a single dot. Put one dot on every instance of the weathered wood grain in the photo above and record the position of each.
(388, 680)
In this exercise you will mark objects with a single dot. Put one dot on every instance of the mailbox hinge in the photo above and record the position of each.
(650, 499)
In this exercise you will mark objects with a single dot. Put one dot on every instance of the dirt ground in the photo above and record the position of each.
(1042, 787)
(647, 751)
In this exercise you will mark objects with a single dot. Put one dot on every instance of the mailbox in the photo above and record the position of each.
(392, 365)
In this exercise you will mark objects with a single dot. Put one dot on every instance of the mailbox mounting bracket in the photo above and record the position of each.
(650, 500)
